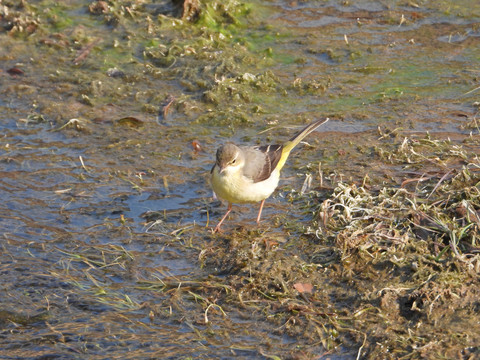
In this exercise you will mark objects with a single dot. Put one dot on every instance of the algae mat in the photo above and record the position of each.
(111, 114)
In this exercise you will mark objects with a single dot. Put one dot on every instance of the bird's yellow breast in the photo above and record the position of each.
(235, 188)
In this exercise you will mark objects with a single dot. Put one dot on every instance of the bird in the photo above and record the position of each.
(250, 174)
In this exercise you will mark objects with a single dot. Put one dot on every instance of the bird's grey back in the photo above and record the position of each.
(260, 161)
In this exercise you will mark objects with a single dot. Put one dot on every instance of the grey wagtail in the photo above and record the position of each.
(249, 174)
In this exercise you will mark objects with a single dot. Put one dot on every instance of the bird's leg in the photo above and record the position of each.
(217, 228)
(260, 211)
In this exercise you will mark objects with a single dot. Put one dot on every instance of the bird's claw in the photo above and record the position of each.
(216, 230)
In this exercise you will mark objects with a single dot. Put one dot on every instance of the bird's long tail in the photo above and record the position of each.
(295, 140)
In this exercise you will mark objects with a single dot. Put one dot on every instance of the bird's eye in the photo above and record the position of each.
(234, 161)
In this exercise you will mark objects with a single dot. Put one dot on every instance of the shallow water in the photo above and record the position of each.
(104, 223)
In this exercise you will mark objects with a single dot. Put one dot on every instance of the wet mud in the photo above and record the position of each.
(111, 115)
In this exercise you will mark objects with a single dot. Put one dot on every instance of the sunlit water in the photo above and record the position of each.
(91, 220)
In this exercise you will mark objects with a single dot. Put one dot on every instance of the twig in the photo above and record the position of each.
(439, 182)
(85, 51)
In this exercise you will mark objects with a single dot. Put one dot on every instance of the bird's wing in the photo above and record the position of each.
(260, 161)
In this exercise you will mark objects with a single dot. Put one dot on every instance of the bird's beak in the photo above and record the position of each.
(221, 169)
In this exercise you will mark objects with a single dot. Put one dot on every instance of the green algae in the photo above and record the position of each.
(386, 239)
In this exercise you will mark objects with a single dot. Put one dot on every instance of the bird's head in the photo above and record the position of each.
(230, 158)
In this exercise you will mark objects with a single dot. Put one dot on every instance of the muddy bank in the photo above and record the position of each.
(112, 112)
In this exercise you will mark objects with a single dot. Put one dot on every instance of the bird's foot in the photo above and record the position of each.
(216, 229)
